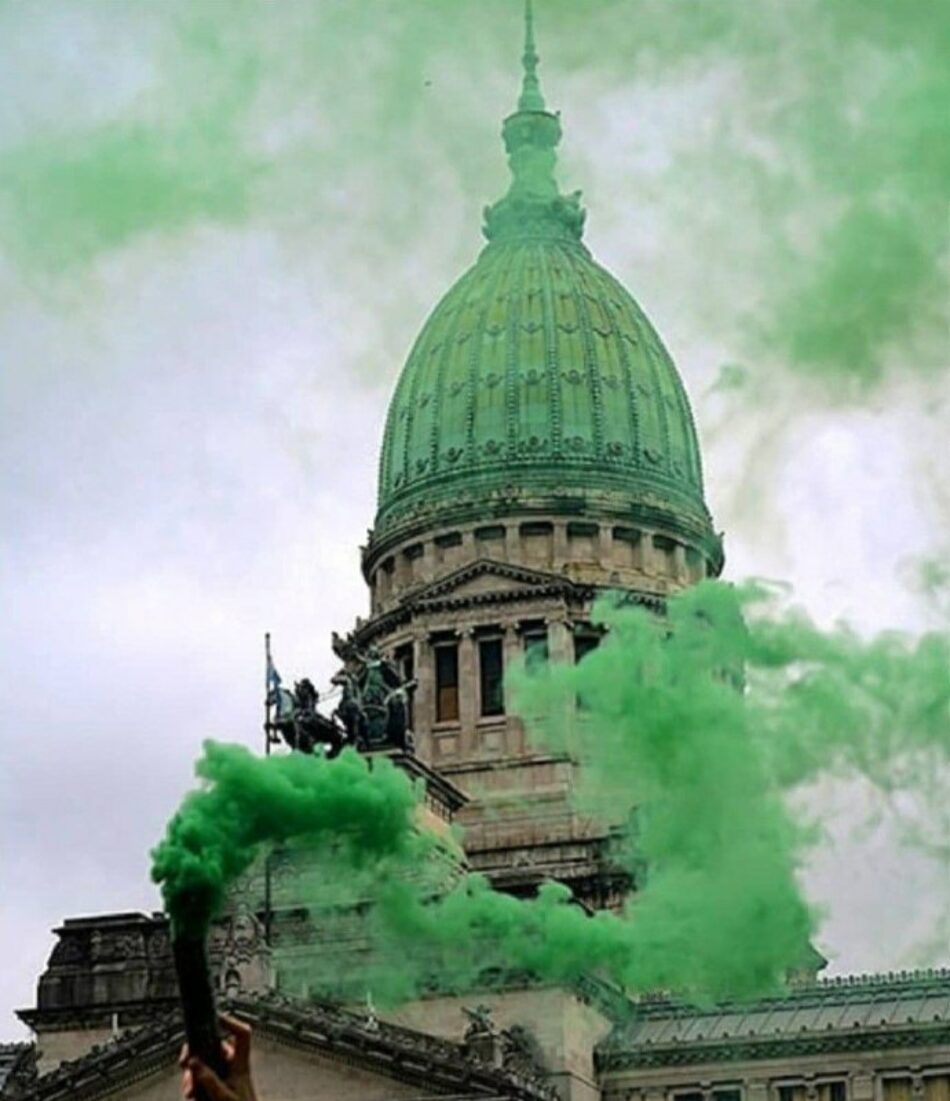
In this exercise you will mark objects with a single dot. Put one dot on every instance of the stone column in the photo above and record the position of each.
(648, 554)
(559, 544)
(468, 692)
(679, 562)
(424, 699)
(605, 547)
(511, 654)
(560, 640)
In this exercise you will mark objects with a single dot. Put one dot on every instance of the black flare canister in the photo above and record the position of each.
(197, 1001)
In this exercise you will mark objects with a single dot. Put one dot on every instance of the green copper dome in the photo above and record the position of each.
(538, 382)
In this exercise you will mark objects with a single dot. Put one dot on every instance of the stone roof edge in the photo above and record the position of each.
(402, 1053)
(17, 1062)
(617, 1051)
(915, 978)
(115, 1064)
(613, 1056)
(97, 1016)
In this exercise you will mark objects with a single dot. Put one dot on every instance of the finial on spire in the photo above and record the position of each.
(533, 206)
(530, 98)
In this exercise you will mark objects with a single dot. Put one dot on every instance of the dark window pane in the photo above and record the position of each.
(535, 648)
(446, 684)
(584, 644)
(490, 673)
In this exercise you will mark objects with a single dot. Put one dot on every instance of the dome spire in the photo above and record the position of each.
(534, 206)
(531, 98)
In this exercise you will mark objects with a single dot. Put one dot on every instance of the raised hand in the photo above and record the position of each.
(200, 1083)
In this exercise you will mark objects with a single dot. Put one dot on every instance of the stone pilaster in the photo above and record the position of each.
(512, 543)
(862, 1087)
(559, 542)
(468, 546)
(426, 564)
(756, 1089)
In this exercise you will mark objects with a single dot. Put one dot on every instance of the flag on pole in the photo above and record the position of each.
(273, 677)
(272, 683)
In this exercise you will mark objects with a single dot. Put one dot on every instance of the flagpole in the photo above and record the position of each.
(268, 715)
(267, 704)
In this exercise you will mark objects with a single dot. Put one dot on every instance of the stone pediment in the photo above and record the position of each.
(298, 1050)
(485, 580)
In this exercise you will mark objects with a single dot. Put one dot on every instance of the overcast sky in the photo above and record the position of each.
(194, 384)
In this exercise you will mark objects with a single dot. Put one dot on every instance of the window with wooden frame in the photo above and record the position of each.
(447, 682)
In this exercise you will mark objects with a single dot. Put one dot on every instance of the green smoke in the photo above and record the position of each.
(817, 181)
(247, 802)
(689, 730)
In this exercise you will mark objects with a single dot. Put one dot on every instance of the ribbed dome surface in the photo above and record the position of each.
(537, 384)
(538, 372)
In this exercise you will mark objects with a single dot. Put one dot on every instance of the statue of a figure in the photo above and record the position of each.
(377, 682)
(349, 710)
(374, 706)
(480, 1021)
(298, 721)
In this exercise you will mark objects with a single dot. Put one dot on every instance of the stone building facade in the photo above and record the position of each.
(539, 451)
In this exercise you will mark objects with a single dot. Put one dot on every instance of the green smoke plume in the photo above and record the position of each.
(689, 730)
(247, 802)
(814, 170)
